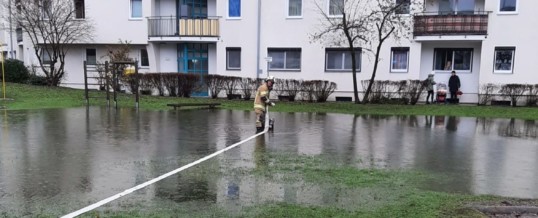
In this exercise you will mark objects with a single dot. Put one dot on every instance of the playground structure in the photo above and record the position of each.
(107, 79)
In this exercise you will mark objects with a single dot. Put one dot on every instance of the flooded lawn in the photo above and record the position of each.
(53, 162)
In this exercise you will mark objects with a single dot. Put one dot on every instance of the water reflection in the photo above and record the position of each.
(74, 156)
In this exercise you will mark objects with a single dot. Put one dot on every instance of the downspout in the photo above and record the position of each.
(258, 35)
(10, 33)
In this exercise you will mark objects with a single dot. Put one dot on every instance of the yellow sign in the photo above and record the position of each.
(129, 70)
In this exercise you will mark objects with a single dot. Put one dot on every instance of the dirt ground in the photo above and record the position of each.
(508, 208)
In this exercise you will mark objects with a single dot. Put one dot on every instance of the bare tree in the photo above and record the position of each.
(367, 23)
(347, 29)
(52, 27)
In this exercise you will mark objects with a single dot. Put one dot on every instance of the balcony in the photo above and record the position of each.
(429, 24)
(177, 27)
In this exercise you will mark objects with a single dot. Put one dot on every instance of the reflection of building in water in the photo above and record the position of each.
(505, 163)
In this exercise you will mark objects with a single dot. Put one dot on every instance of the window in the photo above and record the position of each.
(508, 6)
(79, 9)
(403, 6)
(234, 8)
(456, 6)
(285, 58)
(91, 56)
(504, 59)
(448, 59)
(399, 60)
(18, 6)
(45, 57)
(336, 7)
(295, 8)
(136, 9)
(144, 60)
(339, 59)
(46, 8)
(233, 58)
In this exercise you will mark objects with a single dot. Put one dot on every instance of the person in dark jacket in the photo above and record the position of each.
(454, 86)
(429, 86)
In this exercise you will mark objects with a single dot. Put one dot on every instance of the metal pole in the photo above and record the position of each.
(258, 36)
(10, 32)
(3, 76)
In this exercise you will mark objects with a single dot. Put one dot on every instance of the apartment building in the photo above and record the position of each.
(484, 41)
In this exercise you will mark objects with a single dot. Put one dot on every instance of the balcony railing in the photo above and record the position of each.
(470, 23)
(176, 26)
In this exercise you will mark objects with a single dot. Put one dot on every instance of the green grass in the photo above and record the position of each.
(35, 97)
(347, 192)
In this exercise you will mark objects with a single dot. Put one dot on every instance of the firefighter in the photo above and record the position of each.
(261, 101)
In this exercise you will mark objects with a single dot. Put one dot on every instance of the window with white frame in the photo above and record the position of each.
(233, 58)
(144, 59)
(46, 8)
(336, 7)
(136, 9)
(45, 57)
(234, 8)
(339, 59)
(403, 6)
(504, 59)
(79, 9)
(399, 57)
(295, 8)
(448, 59)
(91, 56)
(508, 6)
(285, 58)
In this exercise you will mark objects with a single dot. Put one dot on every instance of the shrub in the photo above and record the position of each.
(170, 82)
(15, 71)
(292, 87)
(323, 89)
(513, 91)
(37, 80)
(145, 84)
(248, 85)
(155, 80)
(188, 83)
(413, 90)
(486, 93)
(307, 90)
(532, 97)
(214, 83)
(230, 85)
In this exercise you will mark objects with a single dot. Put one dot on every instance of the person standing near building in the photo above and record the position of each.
(261, 101)
(454, 86)
(429, 85)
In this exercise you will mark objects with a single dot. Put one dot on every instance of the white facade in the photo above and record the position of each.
(262, 26)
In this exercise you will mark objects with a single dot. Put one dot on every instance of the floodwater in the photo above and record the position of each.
(60, 160)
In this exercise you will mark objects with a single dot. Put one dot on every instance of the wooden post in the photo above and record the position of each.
(86, 85)
(137, 78)
(115, 84)
(107, 85)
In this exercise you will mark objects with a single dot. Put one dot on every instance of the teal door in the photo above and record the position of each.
(192, 58)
